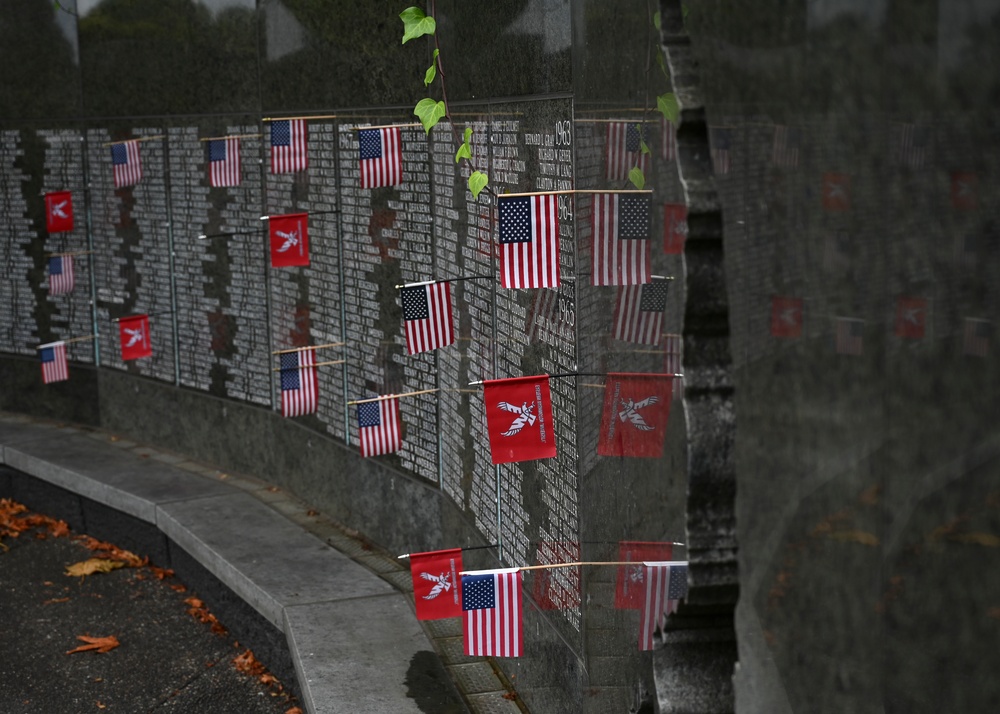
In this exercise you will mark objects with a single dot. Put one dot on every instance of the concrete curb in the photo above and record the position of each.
(352, 636)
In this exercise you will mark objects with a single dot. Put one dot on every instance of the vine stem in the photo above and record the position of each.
(444, 95)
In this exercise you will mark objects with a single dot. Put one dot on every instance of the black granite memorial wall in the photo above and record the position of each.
(852, 157)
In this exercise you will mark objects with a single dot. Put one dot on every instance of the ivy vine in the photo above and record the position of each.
(416, 24)
(666, 104)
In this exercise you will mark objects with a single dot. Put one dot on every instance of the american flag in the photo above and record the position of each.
(381, 157)
(299, 388)
(639, 312)
(224, 162)
(620, 223)
(427, 316)
(912, 146)
(126, 164)
(378, 426)
(668, 139)
(976, 341)
(61, 278)
(721, 140)
(288, 146)
(673, 352)
(529, 241)
(53, 358)
(492, 614)
(666, 586)
(623, 150)
(850, 334)
(785, 151)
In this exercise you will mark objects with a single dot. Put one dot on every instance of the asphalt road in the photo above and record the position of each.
(168, 660)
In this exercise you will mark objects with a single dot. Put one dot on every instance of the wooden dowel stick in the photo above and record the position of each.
(63, 255)
(231, 136)
(312, 347)
(391, 396)
(319, 116)
(318, 364)
(71, 339)
(574, 565)
(574, 190)
(138, 138)
(386, 126)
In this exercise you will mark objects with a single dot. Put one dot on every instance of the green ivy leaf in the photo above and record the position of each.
(416, 24)
(660, 60)
(477, 182)
(685, 10)
(656, 19)
(432, 71)
(429, 112)
(643, 148)
(636, 176)
(465, 150)
(667, 104)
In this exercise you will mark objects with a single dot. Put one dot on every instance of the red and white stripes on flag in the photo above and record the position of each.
(53, 358)
(623, 150)
(492, 614)
(289, 150)
(666, 586)
(381, 156)
(668, 139)
(620, 224)
(639, 312)
(299, 387)
(427, 316)
(529, 241)
(224, 162)
(379, 427)
(126, 163)
(61, 278)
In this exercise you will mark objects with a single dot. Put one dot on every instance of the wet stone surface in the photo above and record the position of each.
(167, 660)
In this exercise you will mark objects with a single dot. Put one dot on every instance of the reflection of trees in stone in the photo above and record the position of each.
(168, 57)
(39, 76)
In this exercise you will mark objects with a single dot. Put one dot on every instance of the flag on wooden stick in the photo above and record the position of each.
(492, 617)
(427, 316)
(299, 386)
(529, 241)
(53, 359)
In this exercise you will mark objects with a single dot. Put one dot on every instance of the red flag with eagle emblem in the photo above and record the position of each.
(289, 240)
(437, 587)
(134, 334)
(519, 419)
(58, 211)
(636, 410)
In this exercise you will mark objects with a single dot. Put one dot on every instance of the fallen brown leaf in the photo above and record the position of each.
(91, 566)
(248, 664)
(55, 600)
(101, 644)
(294, 710)
(987, 539)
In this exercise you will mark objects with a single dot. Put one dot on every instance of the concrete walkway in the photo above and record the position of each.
(344, 608)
